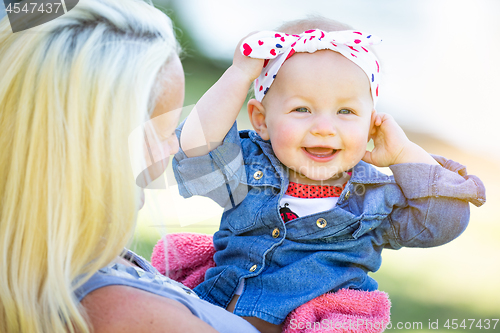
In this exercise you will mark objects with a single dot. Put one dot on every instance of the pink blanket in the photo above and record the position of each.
(191, 254)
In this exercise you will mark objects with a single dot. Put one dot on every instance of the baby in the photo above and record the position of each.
(306, 213)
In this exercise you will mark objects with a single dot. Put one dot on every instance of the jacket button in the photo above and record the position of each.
(253, 268)
(347, 195)
(276, 233)
(321, 223)
(258, 175)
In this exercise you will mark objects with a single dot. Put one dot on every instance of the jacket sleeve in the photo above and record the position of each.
(437, 207)
(219, 175)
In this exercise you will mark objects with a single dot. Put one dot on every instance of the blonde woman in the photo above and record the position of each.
(71, 92)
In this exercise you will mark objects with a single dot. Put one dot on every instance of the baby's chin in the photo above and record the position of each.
(319, 178)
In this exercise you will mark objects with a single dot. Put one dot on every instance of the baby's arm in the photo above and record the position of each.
(435, 208)
(214, 114)
(392, 146)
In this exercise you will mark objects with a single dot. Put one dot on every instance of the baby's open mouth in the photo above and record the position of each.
(320, 151)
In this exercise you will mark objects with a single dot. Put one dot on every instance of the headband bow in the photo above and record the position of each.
(276, 47)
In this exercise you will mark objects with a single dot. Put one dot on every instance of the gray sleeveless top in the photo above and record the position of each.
(147, 278)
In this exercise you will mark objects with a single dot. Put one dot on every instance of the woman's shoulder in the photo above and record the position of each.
(131, 296)
(119, 308)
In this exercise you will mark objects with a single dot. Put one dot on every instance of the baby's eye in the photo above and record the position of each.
(345, 111)
(301, 109)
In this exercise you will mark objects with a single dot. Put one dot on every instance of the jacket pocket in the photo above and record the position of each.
(249, 212)
(323, 227)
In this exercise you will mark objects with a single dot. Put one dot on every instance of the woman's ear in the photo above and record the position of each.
(257, 115)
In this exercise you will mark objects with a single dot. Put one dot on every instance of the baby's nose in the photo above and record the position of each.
(323, 126)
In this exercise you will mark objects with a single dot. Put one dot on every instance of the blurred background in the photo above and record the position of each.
(440, 63)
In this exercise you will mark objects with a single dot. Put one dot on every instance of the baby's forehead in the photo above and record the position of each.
(321, 77)
(323, 64)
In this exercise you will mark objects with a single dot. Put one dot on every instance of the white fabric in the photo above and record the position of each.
(278, 46)
(241, 285)
(308, 206)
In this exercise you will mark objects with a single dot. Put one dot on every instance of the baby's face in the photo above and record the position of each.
(318, 116)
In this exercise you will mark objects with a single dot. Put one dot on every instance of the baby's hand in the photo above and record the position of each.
(392, 146)
(250, 66)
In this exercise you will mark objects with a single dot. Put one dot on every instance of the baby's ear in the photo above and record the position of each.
(257, 115)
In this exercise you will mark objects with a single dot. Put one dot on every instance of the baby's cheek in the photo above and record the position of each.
(283, 138)
(358, 144)
(288, 137)
(285, 147)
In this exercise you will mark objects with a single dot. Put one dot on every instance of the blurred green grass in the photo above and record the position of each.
(455, 281)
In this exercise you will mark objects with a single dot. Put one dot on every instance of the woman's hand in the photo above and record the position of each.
(392, 146)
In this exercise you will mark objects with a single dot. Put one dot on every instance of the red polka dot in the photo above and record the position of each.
(314, 191)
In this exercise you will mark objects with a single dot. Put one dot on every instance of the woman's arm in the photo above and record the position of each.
(125, 309)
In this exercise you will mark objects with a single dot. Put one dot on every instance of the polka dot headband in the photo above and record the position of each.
(276, 47)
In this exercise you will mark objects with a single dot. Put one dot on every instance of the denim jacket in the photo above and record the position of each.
(284, 266)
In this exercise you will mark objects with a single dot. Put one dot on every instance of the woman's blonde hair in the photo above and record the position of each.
(71, 91)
